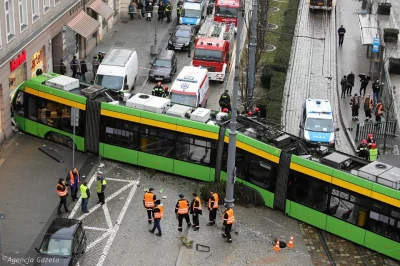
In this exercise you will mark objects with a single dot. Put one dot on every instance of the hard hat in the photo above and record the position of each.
(225, 110)
(166, 88)
(373, 146)
(364, 141)
(250, 113)
(256, 109)
(370, 136)
(159, 84)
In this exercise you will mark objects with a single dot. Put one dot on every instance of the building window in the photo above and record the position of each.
(56, 2)
(46, 6)
(35, 10)
(23, 15)
(9, 17)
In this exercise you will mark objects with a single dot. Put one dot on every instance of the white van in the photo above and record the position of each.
(118, 70)
(193, 13)
(191, 87)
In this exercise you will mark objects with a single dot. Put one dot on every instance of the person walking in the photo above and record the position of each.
(376, 89)
(74, 179)
(131, 10)
(63, 68)
(168, 10)
(341, 31)
(228, 219)
(62, 191)
(101, 184)
(74, 66)
(355, 106)
(344, 85)
(373, 152)
(362, 150)
(158, 90)
(100, 56)
(83, 70)
(368, 108)
(140, 7)
(95, 64)
(85, 194)
(195, 210)
(212, 207)
(350, 83)
(178, 13)
(364, 83)
(148, 202)
(158, 213)
(161, 10)
(182, 210)
(225, 101)
(379, 108)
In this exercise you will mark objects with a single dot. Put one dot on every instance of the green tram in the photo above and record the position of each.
(333, 191)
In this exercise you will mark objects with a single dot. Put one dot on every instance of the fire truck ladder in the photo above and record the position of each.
(216, 30)
(230, 30)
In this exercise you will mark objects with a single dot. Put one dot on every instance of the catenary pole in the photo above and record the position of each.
(232, 132)
(252, 56)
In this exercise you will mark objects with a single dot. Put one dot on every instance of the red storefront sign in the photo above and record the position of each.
(14, 64)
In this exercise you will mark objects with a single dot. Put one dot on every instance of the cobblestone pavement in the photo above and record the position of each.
(312, 71)
(118, 231)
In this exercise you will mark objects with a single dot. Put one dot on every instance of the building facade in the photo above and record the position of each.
(33, 36)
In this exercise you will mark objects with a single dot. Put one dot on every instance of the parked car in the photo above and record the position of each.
(164, 66)
(182, 38)
(63, 244)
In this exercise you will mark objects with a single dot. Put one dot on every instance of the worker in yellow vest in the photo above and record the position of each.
(158, 213)
(228, 219)
(373, 152)
(100, 187)
(85, 194)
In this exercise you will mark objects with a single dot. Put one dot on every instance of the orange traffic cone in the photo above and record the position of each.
(277, 248)
(291, 244)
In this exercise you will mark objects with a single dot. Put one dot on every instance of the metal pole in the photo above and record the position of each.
(252, 57)
(232, 132)
(73, 142)
(2, 217)
(153, 48)
(386, 124)
(155, 30)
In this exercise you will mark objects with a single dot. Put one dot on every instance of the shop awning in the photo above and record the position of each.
(369, 28)
(83, 24)
(102, 9)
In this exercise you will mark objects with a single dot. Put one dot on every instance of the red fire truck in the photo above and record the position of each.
(213, 48)
(227, 11)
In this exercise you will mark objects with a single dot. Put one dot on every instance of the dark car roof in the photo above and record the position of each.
(63, 227)
(165, 54)
(183, 27)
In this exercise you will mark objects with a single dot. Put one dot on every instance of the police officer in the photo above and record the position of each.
(212, 207)
(368, 107)
(168, 10)
(362, 150)
(195, 210)
(158, 213)
(85, 194)
(341, 31)
(178, 13)
(158, 90)
(148, 202)
(100, 187)
(62, 191)
(74, 179)
(373, 152)
(228, 219)
(182, 210)
(225, 101)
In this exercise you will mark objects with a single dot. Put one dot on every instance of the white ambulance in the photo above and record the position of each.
(191, 87)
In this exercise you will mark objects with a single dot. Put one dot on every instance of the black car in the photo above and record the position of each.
(63, 244)
(182, 38)
(164, 66)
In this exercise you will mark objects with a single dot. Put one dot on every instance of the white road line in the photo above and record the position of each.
(115, 231)
(108, 199)
(96, 228)
(98, 240)
(108, 217)
(79, 203)
(119, 180)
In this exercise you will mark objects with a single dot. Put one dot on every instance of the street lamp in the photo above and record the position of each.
(153, 48)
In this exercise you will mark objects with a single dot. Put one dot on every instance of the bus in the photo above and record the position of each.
(336, 192)
(227, 11)
(326, 5)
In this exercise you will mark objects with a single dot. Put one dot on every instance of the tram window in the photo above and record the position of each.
(309, 191)
(193, 149)
(121, 133)
(157, 141)
(19, 103)
(262, 173)
(384, 220)
(32, 106)
(240, 161)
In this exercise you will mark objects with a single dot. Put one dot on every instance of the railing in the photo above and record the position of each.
(378, 129)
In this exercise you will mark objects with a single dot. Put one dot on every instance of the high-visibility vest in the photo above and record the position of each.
(215, 205)
(148, 200)
(183, 206)
(99, 184)
(60, 191)
(159, 215)
(231, 217)
(378, 109)
(194, 205)
(83, 189)
(373, 154)
(168, 8)
(72, 177)
(368, 103)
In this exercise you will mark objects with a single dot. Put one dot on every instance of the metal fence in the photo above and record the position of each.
(377, 129)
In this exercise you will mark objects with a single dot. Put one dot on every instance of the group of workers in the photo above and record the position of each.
(73, 181)
(368, 104)
(368, 149)
(155, 211)
(160, 91)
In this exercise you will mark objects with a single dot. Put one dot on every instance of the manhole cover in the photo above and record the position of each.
(273, 9)
(270, 48)
(124, 21)
(272, 26)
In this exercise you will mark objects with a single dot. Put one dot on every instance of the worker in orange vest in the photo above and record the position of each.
(195, 210)
(182, 210)
(158, 213)
(148, 202)
(228, 219)
(74, 179)
(62, 191)
(212, 207)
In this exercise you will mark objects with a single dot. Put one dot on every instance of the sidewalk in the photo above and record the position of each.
(352, 57)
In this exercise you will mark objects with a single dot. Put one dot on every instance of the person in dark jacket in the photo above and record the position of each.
(362, 150)
(83, 70)
(131, 10)
(161, 11)
(350, 83)
(225, 101)
(344, 85)
(149, 11)
(196, 209)
(95, 64)
(63, 68)
(74, 67)
(100, 187)
(355, 106)
(364, 83)
(376, 89)
(341, 31)
(62, 191)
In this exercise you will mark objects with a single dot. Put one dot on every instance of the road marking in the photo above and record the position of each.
(96, 228)
(116, 227)
(78, 204)
(119, 180)
(98, 240)
(108, 217)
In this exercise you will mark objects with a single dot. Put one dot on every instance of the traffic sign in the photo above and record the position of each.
(375, 45)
